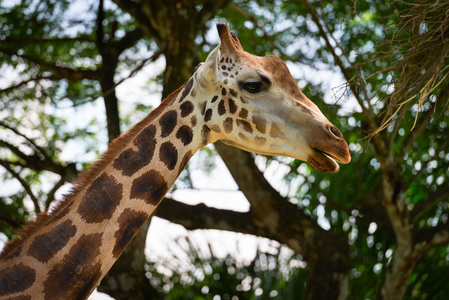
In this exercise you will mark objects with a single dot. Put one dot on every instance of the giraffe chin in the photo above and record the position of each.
(323, 162)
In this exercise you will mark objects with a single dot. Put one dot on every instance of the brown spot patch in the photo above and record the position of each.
(214, 99)
(130, 222)
(101, 199)
(223, 91)
(261, 124)
(243, 137)
(168, 122)
(260, 140)
(186, 108)
(228, 125)
(184, 161)
(168, 155)
(221, 108)
(193, 121)
(243, 113)
(186, 89)
(46, 245)
(208, 115)
(233, 93)
(16, 278)
(205, 132)
(130, 161)
(78, 272)
(276, 131)
(202, 107)
(150, 187)
(245, 125)
(185, 134)
(232, 106)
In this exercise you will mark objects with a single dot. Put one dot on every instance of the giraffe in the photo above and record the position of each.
(246, 101)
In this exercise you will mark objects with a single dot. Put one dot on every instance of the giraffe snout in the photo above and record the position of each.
(338, 149)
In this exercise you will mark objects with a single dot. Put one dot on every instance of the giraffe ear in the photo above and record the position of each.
(208, 72)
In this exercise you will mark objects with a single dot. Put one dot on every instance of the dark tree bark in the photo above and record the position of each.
(326, 253)
(174, 25)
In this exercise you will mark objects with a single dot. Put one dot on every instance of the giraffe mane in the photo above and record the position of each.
(114, 148)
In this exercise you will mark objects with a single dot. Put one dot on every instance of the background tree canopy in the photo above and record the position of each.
(377, 229)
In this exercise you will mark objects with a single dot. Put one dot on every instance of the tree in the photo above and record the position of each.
(378, 228)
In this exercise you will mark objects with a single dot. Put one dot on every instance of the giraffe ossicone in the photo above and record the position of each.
(246, 101)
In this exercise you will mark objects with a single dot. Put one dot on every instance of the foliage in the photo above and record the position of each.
(199, 274)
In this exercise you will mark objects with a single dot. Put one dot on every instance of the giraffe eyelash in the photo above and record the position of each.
(252, 87)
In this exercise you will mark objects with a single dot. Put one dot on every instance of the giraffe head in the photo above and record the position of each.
(255, 104)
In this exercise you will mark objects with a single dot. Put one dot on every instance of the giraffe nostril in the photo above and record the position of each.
(335, 131)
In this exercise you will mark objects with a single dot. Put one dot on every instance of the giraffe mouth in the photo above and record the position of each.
(323, 161)
(328, 155)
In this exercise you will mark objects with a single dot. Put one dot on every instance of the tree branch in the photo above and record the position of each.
(378, 142)
(61, 72)
(136, 11)
(99, 34)
(271, 40)
(30, 141)
(51, 193)
(424, 205)
(33, 41)
(24, 82)
(10, 220)
(128, 40)
(23, 183)
(441, 147)
(35, 162)
(421, 124)
(208, 11)
(15, 150)
(369, 114)
(428, 238)
(140, 66)
(201, 216)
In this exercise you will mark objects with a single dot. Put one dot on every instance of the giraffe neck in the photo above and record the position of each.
(68, 253)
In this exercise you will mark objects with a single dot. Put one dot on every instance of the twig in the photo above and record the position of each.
(27, 188)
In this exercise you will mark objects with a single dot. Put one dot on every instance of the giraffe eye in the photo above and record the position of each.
(252, 86)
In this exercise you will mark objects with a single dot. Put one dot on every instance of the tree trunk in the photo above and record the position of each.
(326, 253)
(110, 103)
(173, 21)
